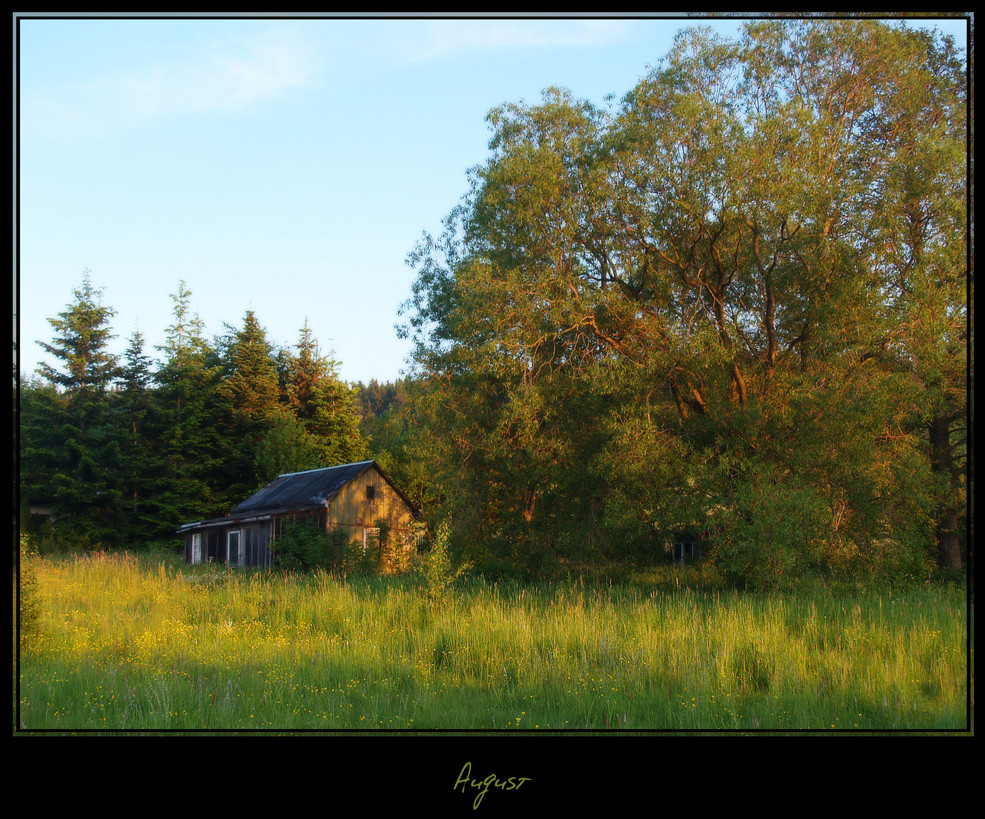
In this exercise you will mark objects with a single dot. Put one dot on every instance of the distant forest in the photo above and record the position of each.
(730, 310)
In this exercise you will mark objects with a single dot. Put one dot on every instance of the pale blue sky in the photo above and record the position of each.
(286, 166)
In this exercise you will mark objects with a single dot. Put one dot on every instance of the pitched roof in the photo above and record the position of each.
(300, 490)
(295, 491)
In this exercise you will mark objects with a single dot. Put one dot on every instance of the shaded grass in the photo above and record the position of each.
(123, 643)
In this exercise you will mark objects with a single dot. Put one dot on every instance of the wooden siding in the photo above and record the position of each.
(353, 510)
(366, 502)
(255, 537)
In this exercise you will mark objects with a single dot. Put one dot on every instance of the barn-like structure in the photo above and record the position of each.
(353, 498)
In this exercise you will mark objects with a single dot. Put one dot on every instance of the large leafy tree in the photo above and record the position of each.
(736, 303)
(920, 248)
(746, 170)
(511, 312)
(883, 201)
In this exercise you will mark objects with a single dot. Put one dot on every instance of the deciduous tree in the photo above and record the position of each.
(736, 302)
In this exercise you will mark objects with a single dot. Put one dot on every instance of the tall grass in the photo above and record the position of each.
(123, 643)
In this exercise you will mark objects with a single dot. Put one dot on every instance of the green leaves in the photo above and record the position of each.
(437, 570)
(708, 300)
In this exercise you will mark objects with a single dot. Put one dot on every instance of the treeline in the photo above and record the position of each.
(732, 310)
(123, 450)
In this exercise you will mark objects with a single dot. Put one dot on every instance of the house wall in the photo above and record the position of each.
(354, 510)
(255, 541)
(255, 538)
(213, 546)
(360, 505)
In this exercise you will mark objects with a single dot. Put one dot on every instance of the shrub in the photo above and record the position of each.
(48, 541)
(303, 546)
(29, 599)
(436, 569)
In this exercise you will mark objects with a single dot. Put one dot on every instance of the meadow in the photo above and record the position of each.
(117, 642)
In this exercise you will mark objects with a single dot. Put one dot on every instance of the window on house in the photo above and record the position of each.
(370, 492)
(197, 547)
(234, 552)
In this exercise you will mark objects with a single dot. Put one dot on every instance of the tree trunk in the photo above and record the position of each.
(529, 502)
(942, 463)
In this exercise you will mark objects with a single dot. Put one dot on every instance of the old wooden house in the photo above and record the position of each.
(357, 499)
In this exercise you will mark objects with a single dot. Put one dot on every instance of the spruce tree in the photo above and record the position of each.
(80, 449)
(141, 464)
(249, 396)
(82, 333)
(323, 403)
(186, 422)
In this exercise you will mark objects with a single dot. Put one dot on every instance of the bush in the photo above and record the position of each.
(48, 541)
(303, 546)
(29, 599)
(436, 569)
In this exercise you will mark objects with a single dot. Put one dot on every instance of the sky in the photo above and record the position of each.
(285, 166)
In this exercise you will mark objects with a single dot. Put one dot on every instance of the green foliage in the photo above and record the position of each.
(71, 449)
(141, 461)
(436, 568)
(249, 385)
(49, 540)
(286, 446)
(125, 454)
(188, 427)
(81, 344)
(322, 404)
(249, 397)
(776, 534)
(27, 614)
(735, 305)
(304, 546)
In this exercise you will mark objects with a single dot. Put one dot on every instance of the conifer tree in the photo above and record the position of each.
(249, 396)
(322, 403)
(79, 451)
(41, 411)
(141, 466)
(186, 422)
(80, 344)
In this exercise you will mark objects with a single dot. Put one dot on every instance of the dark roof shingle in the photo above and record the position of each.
(299, 490)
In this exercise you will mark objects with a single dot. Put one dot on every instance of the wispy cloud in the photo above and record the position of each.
(222, 76)
(239, 74)
(443, 38)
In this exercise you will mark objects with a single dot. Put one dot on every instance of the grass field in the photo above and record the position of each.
(116, 642)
